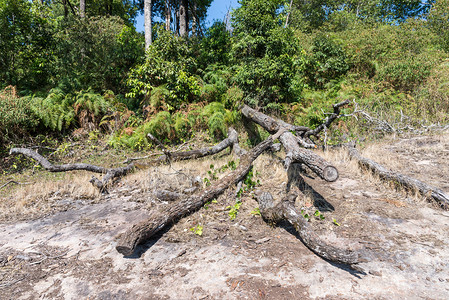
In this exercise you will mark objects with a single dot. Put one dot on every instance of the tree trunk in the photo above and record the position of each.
(195, 21)
(82, 8)
(144, 230)
(148, 5)
(288, 14)
(409, 183)
(167, 15)
(183, 18)
(317, 164)
(285, 210)
(66, 11)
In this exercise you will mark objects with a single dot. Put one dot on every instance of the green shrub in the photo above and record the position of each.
(55, 111)
(327, 62)
(15, 114)
(438, 20)
(217, 125)
(161, 126)
(168, 64)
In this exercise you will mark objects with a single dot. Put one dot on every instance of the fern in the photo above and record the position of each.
(216, 125)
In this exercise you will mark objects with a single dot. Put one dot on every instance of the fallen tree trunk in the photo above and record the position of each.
(409, 183)
(110, 173)
(144, 230)
(285, 210)
(295, 153)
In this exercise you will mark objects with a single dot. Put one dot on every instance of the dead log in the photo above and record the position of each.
(144, 230)
(286, 210)
(110, 173)
(295, 153)
(230, 142)
(412, 184)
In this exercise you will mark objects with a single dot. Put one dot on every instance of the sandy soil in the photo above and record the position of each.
(70, 253)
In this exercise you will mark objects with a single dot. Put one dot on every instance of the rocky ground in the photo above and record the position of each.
(68, 251)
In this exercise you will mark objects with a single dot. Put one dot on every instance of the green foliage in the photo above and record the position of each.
(256, 212)
(214, 47)
(438, 21)
(15, 115)
(234, 209)
(55, 111)
(198, 230)
(327, 62)
(25, 43)
(169, 64)
(264, 53)
(95, 52)
(178, 126)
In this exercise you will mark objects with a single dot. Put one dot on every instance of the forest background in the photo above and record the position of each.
(74, 69)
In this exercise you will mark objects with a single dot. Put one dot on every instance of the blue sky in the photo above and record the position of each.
(217, 11)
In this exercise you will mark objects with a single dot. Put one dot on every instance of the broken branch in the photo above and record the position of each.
(144, 230)
(285, 210)
(100, 184)
(409, 183)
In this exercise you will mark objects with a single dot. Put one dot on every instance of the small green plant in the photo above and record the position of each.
(213, 172)
(335, 222)
(234, 209)
(198, 230)
(206, 205)
(255, 212)
(305, 215)
(319, 215)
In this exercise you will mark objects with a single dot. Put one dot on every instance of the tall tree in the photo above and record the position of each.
(183, 18)
(167, 12)
(148, 6)
(82, 8)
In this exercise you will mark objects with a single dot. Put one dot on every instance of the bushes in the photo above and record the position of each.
(169, 64)
(16, 116)
(327, 62)
(264, 53)
(398, 56)
(438, 20)
(178, 126)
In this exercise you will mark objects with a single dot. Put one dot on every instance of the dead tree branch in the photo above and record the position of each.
(295, 153)
(144, 230)
(13, 181)
(406, 182)
(328, 121)
(286, 210)
(110, 173)
(231, 141)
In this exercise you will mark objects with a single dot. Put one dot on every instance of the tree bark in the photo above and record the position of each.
(183, 18)
(195, 21)
(82, 8)
(144, 230)
(406, 182)
(285, 210)
(288, 14)
(317, 164)
(167, 15)
(148, 6)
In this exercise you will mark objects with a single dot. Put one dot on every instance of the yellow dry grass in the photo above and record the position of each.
(40, 196)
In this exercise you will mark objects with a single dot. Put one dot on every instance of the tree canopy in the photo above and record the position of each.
(272, 54)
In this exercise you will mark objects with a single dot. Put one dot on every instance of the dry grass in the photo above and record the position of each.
(40, 197)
